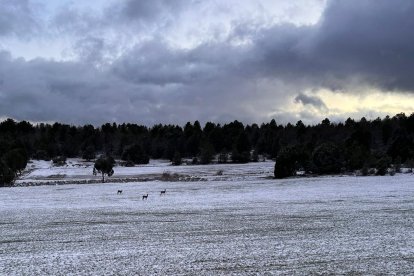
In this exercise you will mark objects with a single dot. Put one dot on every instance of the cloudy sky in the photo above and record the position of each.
(173, 61)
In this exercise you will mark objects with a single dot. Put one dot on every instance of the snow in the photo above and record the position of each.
(245, 225)
(44, 171)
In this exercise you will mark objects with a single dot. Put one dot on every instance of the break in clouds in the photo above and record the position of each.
(177, 61)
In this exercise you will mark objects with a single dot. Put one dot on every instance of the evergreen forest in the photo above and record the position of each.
(323, 148)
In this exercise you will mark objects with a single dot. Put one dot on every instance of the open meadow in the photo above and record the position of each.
(236, 222)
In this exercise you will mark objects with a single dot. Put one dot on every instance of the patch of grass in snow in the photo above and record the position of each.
(56, 176)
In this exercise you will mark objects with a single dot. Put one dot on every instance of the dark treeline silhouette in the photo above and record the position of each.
(323, 148)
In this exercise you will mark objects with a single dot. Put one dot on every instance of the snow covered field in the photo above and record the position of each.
(241, 226)
(76, 170)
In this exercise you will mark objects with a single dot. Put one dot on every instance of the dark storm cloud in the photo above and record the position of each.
(314, 101)
(17, 17)
(355, 43)
(369, 38)
(370, 41)
(156, 63)
(42, 90)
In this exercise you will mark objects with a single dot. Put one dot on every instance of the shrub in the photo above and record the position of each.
(41, 155)
(382, 165)
(59, 161)
(129, 164)
(327, 159)
(397, 164)
(176, 161)
(255, 156)
(364, 171)
(222, 158)
(409, 164)
(237, 157)
(7, 175)
(168, 176)
(16, 160)
(135, 154)
(288, 160)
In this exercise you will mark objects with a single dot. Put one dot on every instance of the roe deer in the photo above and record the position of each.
(145, 197)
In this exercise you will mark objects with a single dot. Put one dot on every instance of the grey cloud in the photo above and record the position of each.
(356, 43)
(90, 49)
(123, 21)
(17, 17)
(156, 63)
(148, 10)
(74, 21)
(42, 90)
(74, 92)
(134, 15)
(314, 101)
(370, 38)
(366, 40)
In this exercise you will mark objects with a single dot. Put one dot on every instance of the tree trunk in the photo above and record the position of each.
(103, 178)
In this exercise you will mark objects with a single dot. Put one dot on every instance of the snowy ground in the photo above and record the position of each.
(76, 170)
(339, 225)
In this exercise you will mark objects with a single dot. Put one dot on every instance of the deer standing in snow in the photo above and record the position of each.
(145, 197)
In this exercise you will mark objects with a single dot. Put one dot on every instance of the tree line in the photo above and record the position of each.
(322, 148)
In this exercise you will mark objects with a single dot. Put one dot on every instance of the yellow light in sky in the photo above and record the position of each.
(369, 103)
(373, 100)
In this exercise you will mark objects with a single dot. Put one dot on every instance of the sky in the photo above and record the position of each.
(174, 61)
